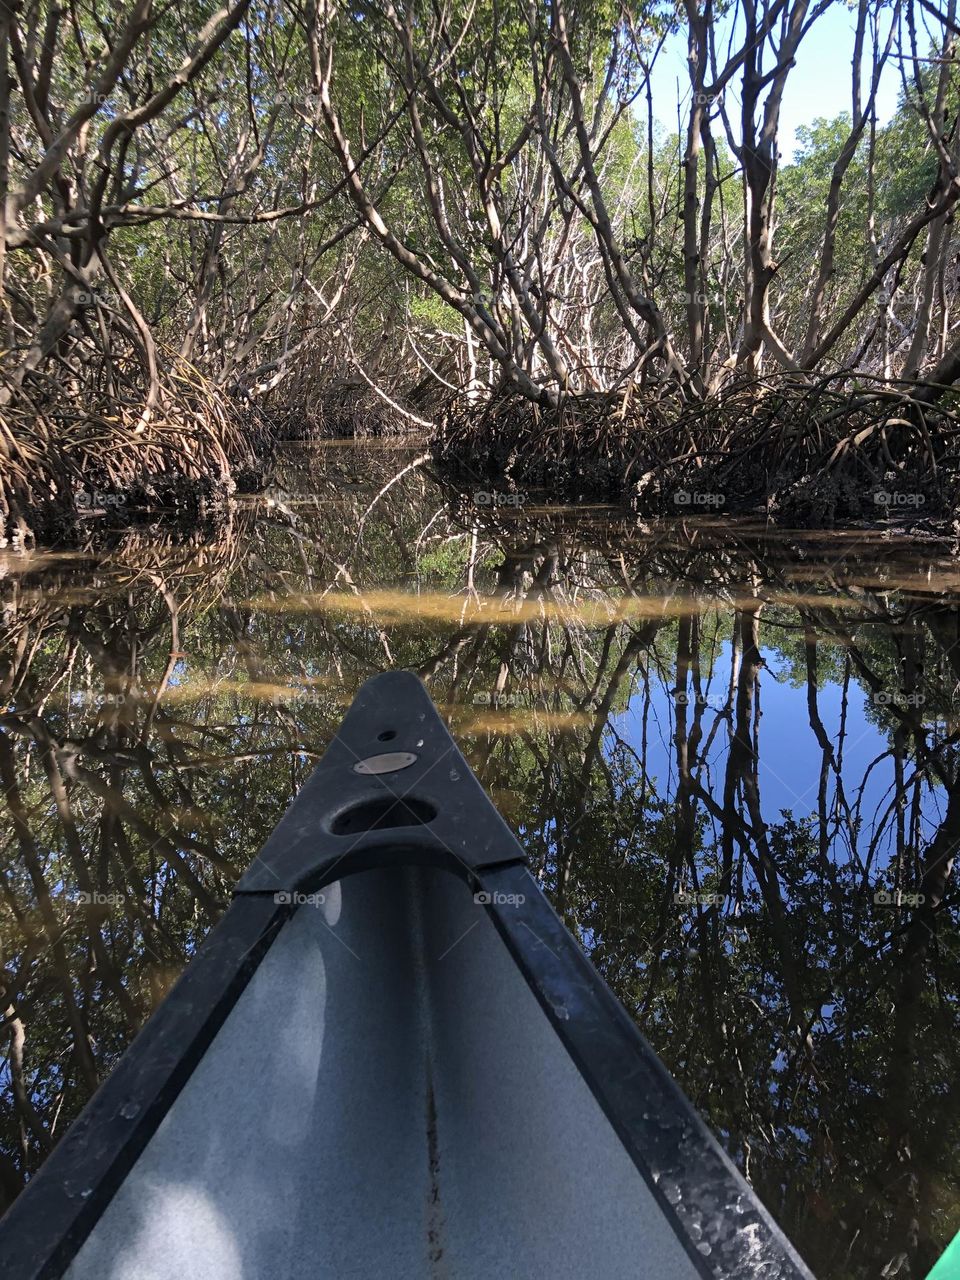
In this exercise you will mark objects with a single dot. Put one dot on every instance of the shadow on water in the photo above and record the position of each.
(732, 757)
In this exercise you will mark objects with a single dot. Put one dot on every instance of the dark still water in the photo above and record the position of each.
(732, 756)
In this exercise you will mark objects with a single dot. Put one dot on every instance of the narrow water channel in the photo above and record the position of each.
(731, 753)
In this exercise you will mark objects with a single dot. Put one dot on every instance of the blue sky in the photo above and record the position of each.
(819, 84)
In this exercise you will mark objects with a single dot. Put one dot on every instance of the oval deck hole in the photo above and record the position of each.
(383, 812)
(387, 736)
(389, 762)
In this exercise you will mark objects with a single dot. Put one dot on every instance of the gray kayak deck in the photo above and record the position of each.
(387, 1099)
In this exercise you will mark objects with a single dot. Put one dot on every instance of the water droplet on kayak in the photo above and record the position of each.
(704, 1248)
(129, 1110)
(419, 742)
(86, 1192)
(672, 1192)
(454, 776)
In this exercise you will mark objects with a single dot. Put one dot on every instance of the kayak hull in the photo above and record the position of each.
(390, 1058)
(386, 1098)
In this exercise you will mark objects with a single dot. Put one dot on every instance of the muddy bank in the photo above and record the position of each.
(797, 456)
(792, 456)
(64, 468)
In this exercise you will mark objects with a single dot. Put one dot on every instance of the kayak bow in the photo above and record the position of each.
(376, 1068)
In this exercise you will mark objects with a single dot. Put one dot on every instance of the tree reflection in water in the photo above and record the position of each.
(732, 756)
